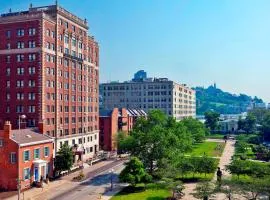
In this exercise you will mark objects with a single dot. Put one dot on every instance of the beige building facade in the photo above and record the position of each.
(174, 99)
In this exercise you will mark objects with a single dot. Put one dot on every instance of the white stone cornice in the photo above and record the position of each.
(20, 51)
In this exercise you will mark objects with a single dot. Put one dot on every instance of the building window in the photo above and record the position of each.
(8, 46)
(26, 173)
(20, 96)
(46, 151)
(8, 34)
(8, 59)
(48, 32)
(13, 158)
(26, 155)
(36, 153)
(19, 109)
(20, 83)
(31, 109)
(20, 45)
(1, 143)
(66, 39)
(32, 57)
(20, 70)
(7, 96)
(32, 31)
(20, 32)
(8, 71)
(20, 58)
(66, 24)
(31, 44)
(31, 83)
(8, 84)
(31, 70)
(31, 96)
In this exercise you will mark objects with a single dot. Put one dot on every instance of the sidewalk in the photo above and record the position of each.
(58, 186)
(225, 159)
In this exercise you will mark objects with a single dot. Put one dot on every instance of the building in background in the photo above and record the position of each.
(229, 125)
(50, 73)
(140, 75)
(112, 121)
(174, 99)
(35, 158)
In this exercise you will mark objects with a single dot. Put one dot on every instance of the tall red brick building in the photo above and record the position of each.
(50, 73)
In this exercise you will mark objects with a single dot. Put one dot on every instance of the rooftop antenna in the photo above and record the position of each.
(31, 5)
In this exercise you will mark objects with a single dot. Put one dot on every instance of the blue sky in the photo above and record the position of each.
(197, 42)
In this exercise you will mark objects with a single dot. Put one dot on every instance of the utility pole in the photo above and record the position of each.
(18, 160)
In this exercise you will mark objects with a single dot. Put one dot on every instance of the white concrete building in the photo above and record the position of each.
(174, 99)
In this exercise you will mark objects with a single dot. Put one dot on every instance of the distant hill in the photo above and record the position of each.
(213, 98)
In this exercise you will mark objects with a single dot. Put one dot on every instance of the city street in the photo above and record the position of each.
(98, 181)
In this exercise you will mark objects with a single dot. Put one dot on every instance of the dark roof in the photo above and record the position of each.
(105, 112)
(29, 136)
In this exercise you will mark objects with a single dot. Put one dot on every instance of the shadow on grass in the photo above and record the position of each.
(130, 189)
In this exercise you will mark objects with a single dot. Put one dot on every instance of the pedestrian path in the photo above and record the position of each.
(225, 159)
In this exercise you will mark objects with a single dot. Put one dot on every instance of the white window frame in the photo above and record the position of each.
(24, 155)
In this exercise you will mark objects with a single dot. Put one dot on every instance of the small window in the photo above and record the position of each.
(36, 153)
(26, 156)
(13, 158)
(1, 143)
(8, 34)
(46, 151)
(26, 173)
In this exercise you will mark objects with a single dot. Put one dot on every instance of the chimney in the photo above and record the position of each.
(7, 129)
(41, 127)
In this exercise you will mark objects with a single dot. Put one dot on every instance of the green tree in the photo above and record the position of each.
(64, 159)
(176, 187)
(157, 137)
(134, 172)
(204, 190)
(266, 126)
(250, 123)
(196, 128)
(211, 120)
(206, 165)
(238, 167)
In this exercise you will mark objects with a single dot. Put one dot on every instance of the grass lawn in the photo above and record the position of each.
(211, 149)
(196, 177)
(215, 136)
(151, 192)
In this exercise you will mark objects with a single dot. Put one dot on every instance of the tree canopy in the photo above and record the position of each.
(159, 136)
(211, 120)
(64, 159)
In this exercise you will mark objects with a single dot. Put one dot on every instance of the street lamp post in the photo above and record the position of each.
(111, 172)
(18, 160)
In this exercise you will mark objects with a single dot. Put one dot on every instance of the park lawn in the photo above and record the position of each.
(187, 178)
(211, 149)
(139, 193)
(215, 136)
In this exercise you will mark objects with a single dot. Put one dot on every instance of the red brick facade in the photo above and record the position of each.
(49, 72)
(111, 122)
(9, 168)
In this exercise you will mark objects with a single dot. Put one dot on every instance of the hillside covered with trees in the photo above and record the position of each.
(213, 98)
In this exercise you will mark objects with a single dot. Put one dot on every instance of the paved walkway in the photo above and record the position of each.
(61, 186)
(225, 159)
